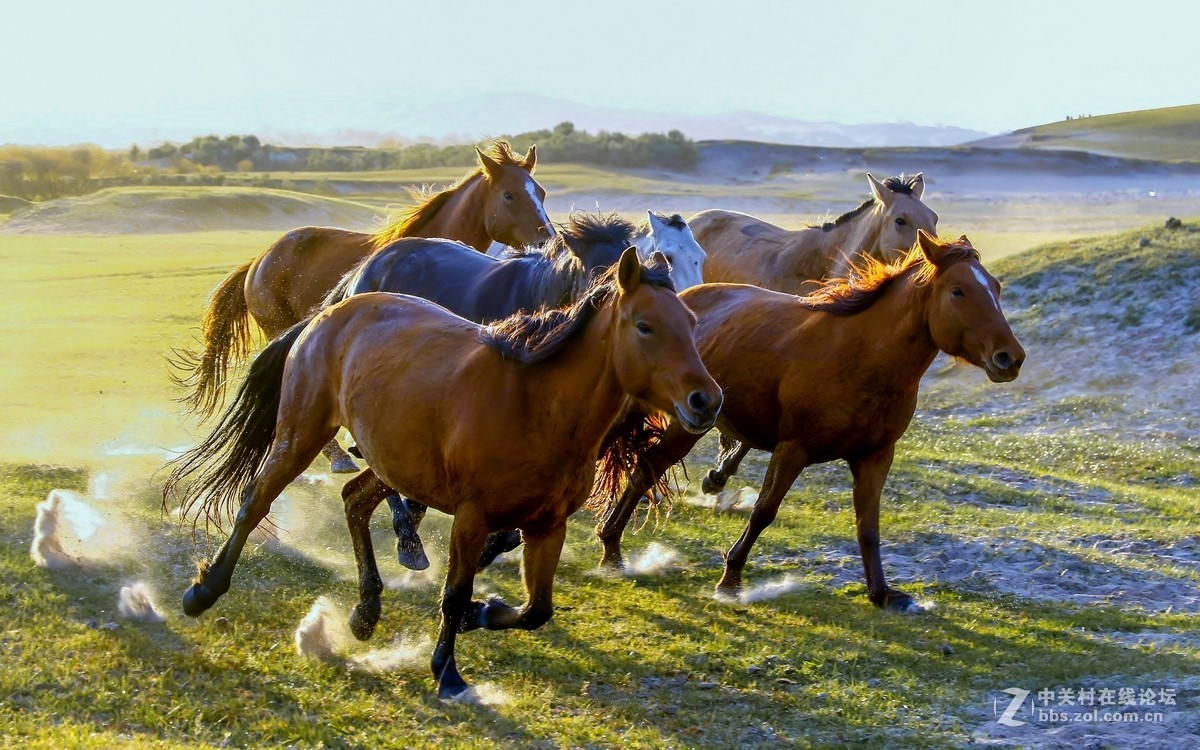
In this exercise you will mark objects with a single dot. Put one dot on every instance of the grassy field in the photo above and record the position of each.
(1051, 524)
(1165, 134)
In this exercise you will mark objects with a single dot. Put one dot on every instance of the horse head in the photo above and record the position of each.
(901, 215)
(596, 240)
(654, 346)
(965, 318)
(514, 211)
(671, 236)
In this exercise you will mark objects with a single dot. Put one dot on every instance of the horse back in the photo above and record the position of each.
(743, 249)
(291, 278)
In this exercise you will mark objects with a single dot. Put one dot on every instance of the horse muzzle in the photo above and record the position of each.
(1004, 365)
(699, 415)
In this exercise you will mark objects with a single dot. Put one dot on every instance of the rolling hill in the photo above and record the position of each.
(1166, 134)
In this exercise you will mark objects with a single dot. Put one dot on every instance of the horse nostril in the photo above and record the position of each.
(699, 401)
(1002, 359)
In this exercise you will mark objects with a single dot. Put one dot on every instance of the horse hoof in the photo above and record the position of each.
(451, 686)
(411, 553)
(712, 484)
(343, 465)
(612, 561)
(197, 599)
(728, 591)
(363, 619)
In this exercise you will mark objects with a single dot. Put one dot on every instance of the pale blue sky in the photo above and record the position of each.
(73, 71)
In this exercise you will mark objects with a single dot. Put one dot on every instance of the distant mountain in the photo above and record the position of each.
(1164, 134)
(467, 120)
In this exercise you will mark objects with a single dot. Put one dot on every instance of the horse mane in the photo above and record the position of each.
(564, 279)
(675, 221)
(529, 338)
(898, 184)
(430, 203)
(870, 277)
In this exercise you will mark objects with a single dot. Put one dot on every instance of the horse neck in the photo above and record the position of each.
(558, 281)
(461, 216)
(901, 315)
(859, 235)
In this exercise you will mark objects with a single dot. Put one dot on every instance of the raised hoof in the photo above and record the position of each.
(712, 483)
(498, 544)
(343, 465)
(363, 619)
(410, 552)
(197, 599)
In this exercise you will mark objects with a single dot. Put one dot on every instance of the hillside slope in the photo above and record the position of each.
(1112, 330)
(1167, 134)
(189, 209)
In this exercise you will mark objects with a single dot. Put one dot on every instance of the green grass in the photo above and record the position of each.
(643, 661)
(1167, 134)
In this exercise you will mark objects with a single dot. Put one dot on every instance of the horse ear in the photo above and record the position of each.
(654, 220)
(629, 270)
(530, 160)
(918, 185)
(962, 240)
(882, 193)
(490, 166)
(658, 260)
(930, 247)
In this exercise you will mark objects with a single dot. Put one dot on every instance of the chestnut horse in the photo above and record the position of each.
(499, 200)
(484, 289)
(499, 426)
(831, 376)
(745, 250)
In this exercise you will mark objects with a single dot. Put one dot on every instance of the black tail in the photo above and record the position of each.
(241, 440)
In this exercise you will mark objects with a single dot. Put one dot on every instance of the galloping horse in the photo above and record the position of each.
(745, 250)
(500, 426)
(831, 376)
(499, 200)
(662, 233)
(484, 289)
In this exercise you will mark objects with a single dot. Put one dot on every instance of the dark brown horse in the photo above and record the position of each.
(831, 376)
(498, 201)
(745, 250)
(499, 426)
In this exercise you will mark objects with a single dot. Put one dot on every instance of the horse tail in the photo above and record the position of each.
(620, 456)
(233, 453)
(226, 335)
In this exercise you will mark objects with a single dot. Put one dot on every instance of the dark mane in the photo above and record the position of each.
(560, 276)
(536, 337)
(899, 184)
(430, 203)
(869, 278)
(675, 221)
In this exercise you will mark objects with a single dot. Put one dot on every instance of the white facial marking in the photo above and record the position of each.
(984, 283)
(531, 188)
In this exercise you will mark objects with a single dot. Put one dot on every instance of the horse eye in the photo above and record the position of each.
(642, 327)
(956, 291)
(900, 222)
(508, 196)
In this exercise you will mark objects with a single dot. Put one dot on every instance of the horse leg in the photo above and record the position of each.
(279, 469)
(497, 544)
(406, 521)
(870, 472)
(730, 458)
(339, 461)
(787, 461)
(542, 552)
(675, 444)
(360, 496)
(467, 537)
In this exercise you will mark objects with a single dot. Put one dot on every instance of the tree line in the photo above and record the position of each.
(40, 173)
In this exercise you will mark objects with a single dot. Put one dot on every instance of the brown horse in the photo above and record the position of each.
(831, 376)
(499, 201)
(745, 250)
(500, 426)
